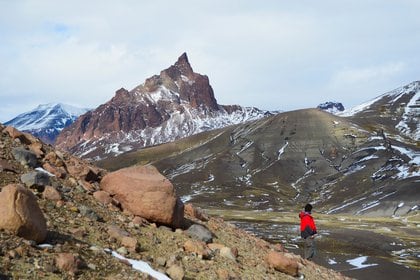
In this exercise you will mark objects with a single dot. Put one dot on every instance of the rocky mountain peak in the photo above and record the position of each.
(184, 65)
(332, 107)
(176, 103)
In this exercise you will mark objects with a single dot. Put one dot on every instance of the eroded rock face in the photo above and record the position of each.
(144, 192)
(20, 213)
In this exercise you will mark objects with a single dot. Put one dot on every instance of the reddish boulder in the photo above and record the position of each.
(144, 192)
(67, 262)
(197, 247)
(102, 197)
(58, 172)
(24, 138)
(193, 212)
(282, 263)
(51, 193)
(37, 149)
(20, 213)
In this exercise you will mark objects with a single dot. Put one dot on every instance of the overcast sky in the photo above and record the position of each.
(275, 55)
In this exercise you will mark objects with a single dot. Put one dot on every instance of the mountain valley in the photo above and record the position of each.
(359, 168)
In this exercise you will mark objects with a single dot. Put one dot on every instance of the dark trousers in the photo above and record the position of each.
(309, 248)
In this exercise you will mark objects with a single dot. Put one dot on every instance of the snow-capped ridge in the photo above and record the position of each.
(47, 120)
(395, 94)
(174, 104)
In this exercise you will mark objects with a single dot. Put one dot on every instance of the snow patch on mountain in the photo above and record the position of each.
(359, 108)
(179, 125)
(47, 120)
(411, 114)
(331, 107)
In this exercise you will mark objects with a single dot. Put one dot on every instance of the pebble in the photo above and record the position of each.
(122, 251)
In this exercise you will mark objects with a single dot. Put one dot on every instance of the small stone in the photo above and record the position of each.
(68, 262)
(176, 272)
(122, 251)
(197, 247)
(13, 254)
(51, 193)
(91, 266)
(223, 274)
(139, 221)
(130, 243)
(227, 253)
(282, 263)
(87, 212)
(200, 232)
(161, 261)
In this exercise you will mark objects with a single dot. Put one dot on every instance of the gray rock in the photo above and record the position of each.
(36, 179)
(200, 232)
(87, 212)
(25, 157)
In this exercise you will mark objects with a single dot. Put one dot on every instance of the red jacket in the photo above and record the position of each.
(307, 224)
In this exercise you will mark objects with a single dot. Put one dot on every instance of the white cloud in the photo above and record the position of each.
(359, 76)
(276, 55)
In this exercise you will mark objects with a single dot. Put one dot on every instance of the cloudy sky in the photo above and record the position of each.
(276, 55)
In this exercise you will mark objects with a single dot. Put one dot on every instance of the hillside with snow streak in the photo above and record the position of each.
(397, 111)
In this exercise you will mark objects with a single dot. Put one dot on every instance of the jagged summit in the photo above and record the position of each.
(184, 65)
(174, 104)
(332, 107)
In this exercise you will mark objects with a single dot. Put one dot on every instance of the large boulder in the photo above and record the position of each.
(144, 192)
(24, 137)
(20, 213)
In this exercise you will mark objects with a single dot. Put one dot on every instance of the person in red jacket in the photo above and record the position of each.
(308, 231)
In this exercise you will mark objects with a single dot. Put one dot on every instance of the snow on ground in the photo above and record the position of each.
(281, 150)
(362, 107)
(406, 170)
(411, 114)
(359, 262)
(141, 266)
(331, 261)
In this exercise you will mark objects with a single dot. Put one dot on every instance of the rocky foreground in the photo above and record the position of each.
(61, 218)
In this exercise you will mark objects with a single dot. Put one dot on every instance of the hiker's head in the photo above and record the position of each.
(308, 208)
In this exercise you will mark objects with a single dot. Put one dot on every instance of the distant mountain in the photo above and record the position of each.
(174, 104)
(331, 107)
(397, 111)
(47, 120)
(360, 164)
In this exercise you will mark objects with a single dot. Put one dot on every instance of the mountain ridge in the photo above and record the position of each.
(47, 120)
(174, 104)
(298, 156)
